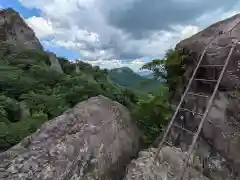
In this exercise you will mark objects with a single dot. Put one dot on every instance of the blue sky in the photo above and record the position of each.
(118, 33)
(30, 12)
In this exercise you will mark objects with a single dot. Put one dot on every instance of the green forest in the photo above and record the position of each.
(127, 78)
(33, 92)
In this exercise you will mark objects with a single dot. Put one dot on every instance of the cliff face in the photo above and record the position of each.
(220, 137)
(216, 155)
(218, 50)
(14, 29)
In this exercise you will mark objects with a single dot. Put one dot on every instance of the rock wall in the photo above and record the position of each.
(216, 155)
(166, 167)
(14, 29)
(55, 65)
(219, 141)
(218, 50)
(94, 140)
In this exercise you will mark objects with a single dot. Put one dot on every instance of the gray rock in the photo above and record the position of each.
(93, 140)
(14, 29)
(25, 112)
(55, 65)
(216, 154)
(166, 167)
(217, 50)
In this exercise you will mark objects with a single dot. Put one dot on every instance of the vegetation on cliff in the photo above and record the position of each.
(153, 114)
(127, 78)
(31, 92)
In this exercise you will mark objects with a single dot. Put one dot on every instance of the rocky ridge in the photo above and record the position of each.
(14, 29)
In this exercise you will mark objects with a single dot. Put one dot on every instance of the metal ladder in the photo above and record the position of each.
(209, 104)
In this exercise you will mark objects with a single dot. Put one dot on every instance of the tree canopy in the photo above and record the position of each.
(31, 92)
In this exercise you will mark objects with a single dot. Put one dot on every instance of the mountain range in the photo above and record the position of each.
(127, 78)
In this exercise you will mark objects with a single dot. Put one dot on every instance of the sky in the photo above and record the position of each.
(118, 33)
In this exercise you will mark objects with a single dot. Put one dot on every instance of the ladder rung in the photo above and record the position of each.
(170, 144)
(184, 109)
(184, 129)
(213, 65)
(197, 94)
(206, 80)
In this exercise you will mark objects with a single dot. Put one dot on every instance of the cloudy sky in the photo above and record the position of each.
(115, 33)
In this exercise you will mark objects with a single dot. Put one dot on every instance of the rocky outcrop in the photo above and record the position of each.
(217, 50)
(94, 140)
(219, 141)
(215, 157)
(14, 29)
(166, 167)
(55, 65)
(216, 154)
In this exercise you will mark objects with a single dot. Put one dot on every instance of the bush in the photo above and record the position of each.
(152, 115)
(26, 77)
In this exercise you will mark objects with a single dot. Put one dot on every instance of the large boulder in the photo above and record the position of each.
(14, 29)
(166, 167)
(219, 141)
(217, 148)
(93, 140)
(218, 50)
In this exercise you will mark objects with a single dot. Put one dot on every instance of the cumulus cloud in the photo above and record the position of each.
(42, 27)
(107, 31)
(135, 65)
(143, 17)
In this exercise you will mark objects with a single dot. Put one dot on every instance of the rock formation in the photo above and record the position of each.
(220, 137)
(94, 140)
(218, 50)
(166, 167)
(55, 65)
(14, 29)
(216, 155)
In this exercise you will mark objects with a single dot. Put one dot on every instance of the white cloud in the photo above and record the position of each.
(79, 25)
(215, 16)
(135, 65)
(82, 26)
(42, 27)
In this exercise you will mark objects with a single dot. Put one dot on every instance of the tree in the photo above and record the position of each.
(26, 78)
(153, 114)
(171, 68)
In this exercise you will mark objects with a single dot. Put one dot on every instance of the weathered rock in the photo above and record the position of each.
(219, 142)
(166, 167)
(94, 140)
(55, 65)
(25, 112)
(218, 50)
(77, 69)
(216, 154)
(14, 29)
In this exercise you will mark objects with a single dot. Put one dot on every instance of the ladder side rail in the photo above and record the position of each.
(182, 99)
(205, 114)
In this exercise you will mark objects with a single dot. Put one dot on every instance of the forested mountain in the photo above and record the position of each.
(33, 90)
(36, 86)
(126, 77)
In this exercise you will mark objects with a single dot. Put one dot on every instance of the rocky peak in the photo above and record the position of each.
(218, 50)
(13, 28)
(216, 154)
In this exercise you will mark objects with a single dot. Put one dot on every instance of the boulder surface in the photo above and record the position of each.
(93, 140)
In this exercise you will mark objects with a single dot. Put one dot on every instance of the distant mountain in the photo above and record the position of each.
(146, 74)
(126, 77)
